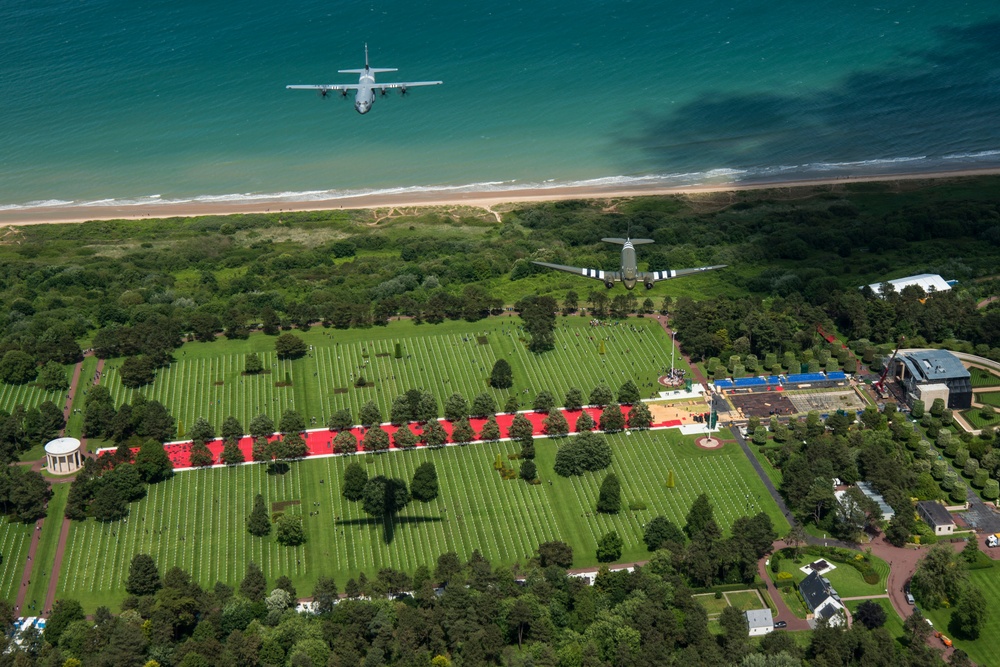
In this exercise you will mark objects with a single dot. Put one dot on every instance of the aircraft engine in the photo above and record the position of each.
(648, 284)
(609, 283)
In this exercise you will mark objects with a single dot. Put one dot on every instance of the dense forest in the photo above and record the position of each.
(797, 258)
(461, 614)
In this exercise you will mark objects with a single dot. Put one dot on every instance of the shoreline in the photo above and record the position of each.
(480, 199)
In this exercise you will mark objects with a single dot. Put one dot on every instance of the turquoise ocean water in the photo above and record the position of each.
(128, 101)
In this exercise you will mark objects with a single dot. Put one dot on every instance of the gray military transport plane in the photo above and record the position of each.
(630, 273)
(366, 86)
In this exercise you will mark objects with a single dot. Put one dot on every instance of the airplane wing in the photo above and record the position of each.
(332, 86)
(677, 273)
(596, 274)
(406, 84)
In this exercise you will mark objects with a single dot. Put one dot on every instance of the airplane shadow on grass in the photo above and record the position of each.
(932, 102)
(390, 524)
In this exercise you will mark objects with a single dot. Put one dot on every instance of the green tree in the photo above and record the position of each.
(870, 614)
(699, 515)
(940, 577)
(521, 428)
(261, 426)
(134, 372)
(292, 422)
(434, 434)
(427, 408)
(639, 416)
(384, 497)
(462, 432)
(511, 405)
(64, 612)
(370, 415)
(659, 532)
(424, 486)
(601, 395)
(609, 500)
(555, 553)
(609, 547)
(491, 430)
(345, 443)
(544, 401)
(231, 428)
(52, 377)
(501, 377)
(612, 419)
(289, 530)
(483, 405)
(324, 595)
(555, 424)
(375, 440)
(917, 410)
(528, 471)
(153, 462)
(937, 408)
(253, 365)
(340, 420)
(143, 576)
(289, 346)
(355, 479)
(574, 399)
(628, 393)
(585, 422)
(456, 407)
(404, 438)
(254, 584)
(259, 522)
(231, 453)
(200, 455)
(17, 367)
(971, 613)
(527, 448)
(400, 412)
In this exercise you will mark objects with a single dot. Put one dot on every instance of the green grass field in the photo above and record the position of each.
(982, 651)
(15, 538)
(976, 420)
(983, 378)
(744, 600)
(29, 395)
(196, 520)
(988, 398)
(41, 572)
(845, 579)
(444, 359)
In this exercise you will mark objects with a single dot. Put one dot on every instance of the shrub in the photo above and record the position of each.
(637, 506)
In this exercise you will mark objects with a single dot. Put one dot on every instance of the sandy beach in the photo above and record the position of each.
(487, 200)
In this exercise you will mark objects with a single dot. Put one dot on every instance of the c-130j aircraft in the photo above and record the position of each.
(630, 273)
(366, 86)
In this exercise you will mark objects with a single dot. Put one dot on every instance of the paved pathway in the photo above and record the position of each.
(784, 612)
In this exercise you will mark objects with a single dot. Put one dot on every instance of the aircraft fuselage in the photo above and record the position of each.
(630, 270)
(365, 97)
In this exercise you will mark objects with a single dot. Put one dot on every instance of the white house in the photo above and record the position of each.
(759, 621)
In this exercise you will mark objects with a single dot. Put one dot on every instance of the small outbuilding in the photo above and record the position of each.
(928, 282)
(63, 456)
(759, 621)
(936, 516)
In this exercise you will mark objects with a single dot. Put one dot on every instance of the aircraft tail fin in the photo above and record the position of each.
(621, 241)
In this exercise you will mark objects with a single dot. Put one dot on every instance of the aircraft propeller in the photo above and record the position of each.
(383, 92)
(323, 93)
(402, 91)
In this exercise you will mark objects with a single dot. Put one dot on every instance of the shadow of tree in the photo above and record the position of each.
(938, 102)
(390, 523)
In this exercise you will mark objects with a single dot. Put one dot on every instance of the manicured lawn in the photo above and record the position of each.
(744, 600)
(794, 601)
(196, 520)
(893, 623)
(74, 425)
(772, 473)
(206, 379)
(982, 651)
(15, 539)
(845, 579)
(983, 378)
(988, 397)
(29, 395)
(974, 417)
(712, 606)
(46, 553)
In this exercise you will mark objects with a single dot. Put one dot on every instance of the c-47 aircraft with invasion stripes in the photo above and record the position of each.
(630, 273)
